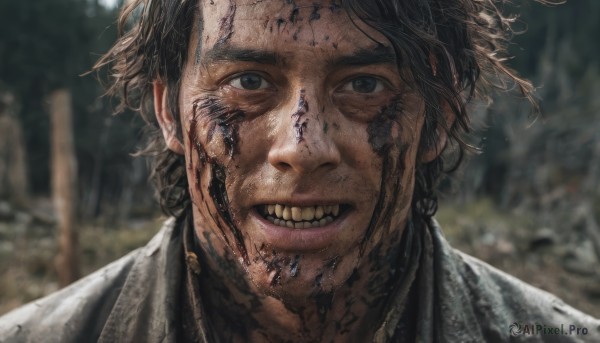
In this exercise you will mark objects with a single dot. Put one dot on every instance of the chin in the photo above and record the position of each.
(293, 280)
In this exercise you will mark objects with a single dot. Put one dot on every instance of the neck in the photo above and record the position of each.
(353, 312)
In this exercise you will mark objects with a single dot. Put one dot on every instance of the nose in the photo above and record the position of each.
(302, 142)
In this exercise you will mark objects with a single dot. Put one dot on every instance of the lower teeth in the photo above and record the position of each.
(300, 225)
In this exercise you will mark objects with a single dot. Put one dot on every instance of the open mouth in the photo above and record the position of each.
(305, 217)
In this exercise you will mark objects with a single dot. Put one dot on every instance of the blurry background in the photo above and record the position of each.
(529, 203)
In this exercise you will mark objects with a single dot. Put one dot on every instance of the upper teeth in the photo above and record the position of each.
(301, 213)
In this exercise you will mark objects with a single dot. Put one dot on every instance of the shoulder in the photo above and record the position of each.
(62, 314)
(78, 312)
(500, 301)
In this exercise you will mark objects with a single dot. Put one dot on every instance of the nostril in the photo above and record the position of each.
(282, 166)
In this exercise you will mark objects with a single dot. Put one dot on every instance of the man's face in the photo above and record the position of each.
(301, 141)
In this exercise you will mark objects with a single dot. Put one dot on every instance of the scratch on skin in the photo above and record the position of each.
(273, 262)
(294, 268)
(226, 26)
(302, 109)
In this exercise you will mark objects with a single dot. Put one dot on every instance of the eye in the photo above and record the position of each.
(364, 84)
(249, 81)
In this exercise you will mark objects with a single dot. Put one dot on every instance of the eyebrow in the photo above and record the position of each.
(231, 54)
(361, 57)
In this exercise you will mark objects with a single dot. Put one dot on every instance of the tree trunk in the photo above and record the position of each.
(13, 168)
(64, 181)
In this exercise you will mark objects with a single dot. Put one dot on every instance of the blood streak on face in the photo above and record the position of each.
(301, 193)
(227, 120)
(299, 124)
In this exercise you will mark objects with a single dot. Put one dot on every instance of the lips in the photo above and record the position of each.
(305, 217)
(302, 228)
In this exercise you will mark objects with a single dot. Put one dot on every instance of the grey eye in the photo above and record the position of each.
(364, 84)
(249, 81)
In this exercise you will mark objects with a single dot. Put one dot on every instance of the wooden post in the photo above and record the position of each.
(64, 181)
(13, 167)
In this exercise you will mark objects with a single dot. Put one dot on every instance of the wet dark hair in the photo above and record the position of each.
(454, 49)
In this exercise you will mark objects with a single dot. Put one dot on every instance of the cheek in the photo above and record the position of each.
(207, 154)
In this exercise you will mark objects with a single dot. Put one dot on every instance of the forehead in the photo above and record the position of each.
(319, 27)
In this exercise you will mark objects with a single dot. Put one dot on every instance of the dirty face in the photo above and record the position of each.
(301, 141)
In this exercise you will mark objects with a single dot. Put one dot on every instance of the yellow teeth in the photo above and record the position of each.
(308, 213)
(301, 217)
(287, 213)
(319, 212)
(296, 213)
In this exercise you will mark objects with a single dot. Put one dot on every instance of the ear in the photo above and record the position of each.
(165, 119)
(433, 152)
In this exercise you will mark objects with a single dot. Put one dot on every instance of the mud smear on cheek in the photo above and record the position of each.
(280, 21)
(199, 149)
(218, 193)
(390, 189)
(294, 13)
(216, 188)
(315, 13)
(380, 129)
(382, 141)
(223, 117)
(334, 7)
(226, 26)
(299, 124)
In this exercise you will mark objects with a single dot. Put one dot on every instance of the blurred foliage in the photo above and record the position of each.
(550, 159)
(50, 44)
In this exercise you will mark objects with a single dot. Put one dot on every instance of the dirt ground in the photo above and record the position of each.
(508, 241)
